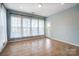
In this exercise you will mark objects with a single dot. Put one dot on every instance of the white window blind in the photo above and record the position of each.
(22, 26)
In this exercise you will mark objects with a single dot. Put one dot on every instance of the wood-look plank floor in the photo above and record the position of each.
(40, 47)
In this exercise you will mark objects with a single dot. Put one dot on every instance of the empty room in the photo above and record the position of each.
(39, 29)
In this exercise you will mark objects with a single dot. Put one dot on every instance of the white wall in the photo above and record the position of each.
(64, 26)
(3, 29)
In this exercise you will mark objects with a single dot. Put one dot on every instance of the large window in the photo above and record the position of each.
(26, 27)
(34, 27)
(16, 26)
(41, 27)
(22, 26)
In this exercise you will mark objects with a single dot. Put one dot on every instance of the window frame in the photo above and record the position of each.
(31, 18)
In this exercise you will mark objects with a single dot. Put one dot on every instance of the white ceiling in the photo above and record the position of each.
(46, 10)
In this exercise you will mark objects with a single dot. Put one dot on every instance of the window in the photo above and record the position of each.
(16, 26)
(34, 27)
(26, 26)
(23, 26)
(41, 27)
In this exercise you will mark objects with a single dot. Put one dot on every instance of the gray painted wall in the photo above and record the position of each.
(64, 26)
(3, 32)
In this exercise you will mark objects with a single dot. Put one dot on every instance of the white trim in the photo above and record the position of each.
(1, 49)
(65, 41)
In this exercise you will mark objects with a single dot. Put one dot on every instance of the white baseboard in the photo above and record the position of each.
(1, 49)
(64, 41)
